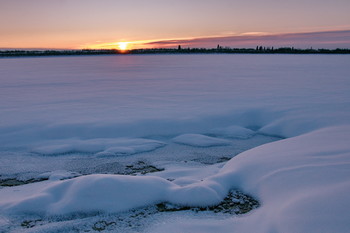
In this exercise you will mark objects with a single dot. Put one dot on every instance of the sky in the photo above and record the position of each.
(77, 24)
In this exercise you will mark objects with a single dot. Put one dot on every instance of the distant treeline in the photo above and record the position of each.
(179, 50)
(257, 50)
(24, 53)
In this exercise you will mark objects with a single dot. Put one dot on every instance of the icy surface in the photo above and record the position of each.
(63, 117)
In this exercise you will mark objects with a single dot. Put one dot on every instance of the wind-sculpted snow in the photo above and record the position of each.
(302, 183)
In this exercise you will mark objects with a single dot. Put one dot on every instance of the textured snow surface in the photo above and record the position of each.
(137, 96)
(112, 106)
(301, 188)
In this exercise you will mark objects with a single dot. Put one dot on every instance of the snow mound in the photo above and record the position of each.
(104, 193)
(109, 193)
(234, 131)
(200, 140)
(101, 146)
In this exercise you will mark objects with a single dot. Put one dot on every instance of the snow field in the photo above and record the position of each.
(103, 106)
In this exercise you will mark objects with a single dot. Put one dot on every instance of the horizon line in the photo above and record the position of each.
(317, 39)
(163, 48)
(250, 39)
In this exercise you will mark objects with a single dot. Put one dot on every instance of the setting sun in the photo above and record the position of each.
(123, 45)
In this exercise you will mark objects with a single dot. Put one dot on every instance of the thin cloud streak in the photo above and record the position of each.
(326, 39)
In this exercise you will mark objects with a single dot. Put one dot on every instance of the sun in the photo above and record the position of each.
(123, 46)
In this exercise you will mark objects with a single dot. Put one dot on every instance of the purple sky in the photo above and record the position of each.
(329, 39)
(98, 23)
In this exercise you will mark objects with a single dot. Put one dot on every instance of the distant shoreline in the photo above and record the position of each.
(219, 50)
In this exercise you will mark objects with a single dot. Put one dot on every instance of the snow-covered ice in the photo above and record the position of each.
(200, 140)
(62, 114)
(234, 131)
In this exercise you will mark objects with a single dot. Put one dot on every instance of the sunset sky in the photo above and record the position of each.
(77, 24)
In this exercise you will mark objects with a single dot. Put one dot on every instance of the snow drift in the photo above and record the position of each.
(302, 183)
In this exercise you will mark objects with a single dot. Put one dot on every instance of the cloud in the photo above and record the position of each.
(325, 39)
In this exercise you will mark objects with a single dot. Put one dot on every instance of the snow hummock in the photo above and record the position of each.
(101, 146)
(200, 140)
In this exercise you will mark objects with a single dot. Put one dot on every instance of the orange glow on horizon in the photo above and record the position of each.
(150, 44)
(123, 46)
(159, 43)
(139, 44)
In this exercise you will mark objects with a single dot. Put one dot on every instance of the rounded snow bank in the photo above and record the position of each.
(302, 183)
